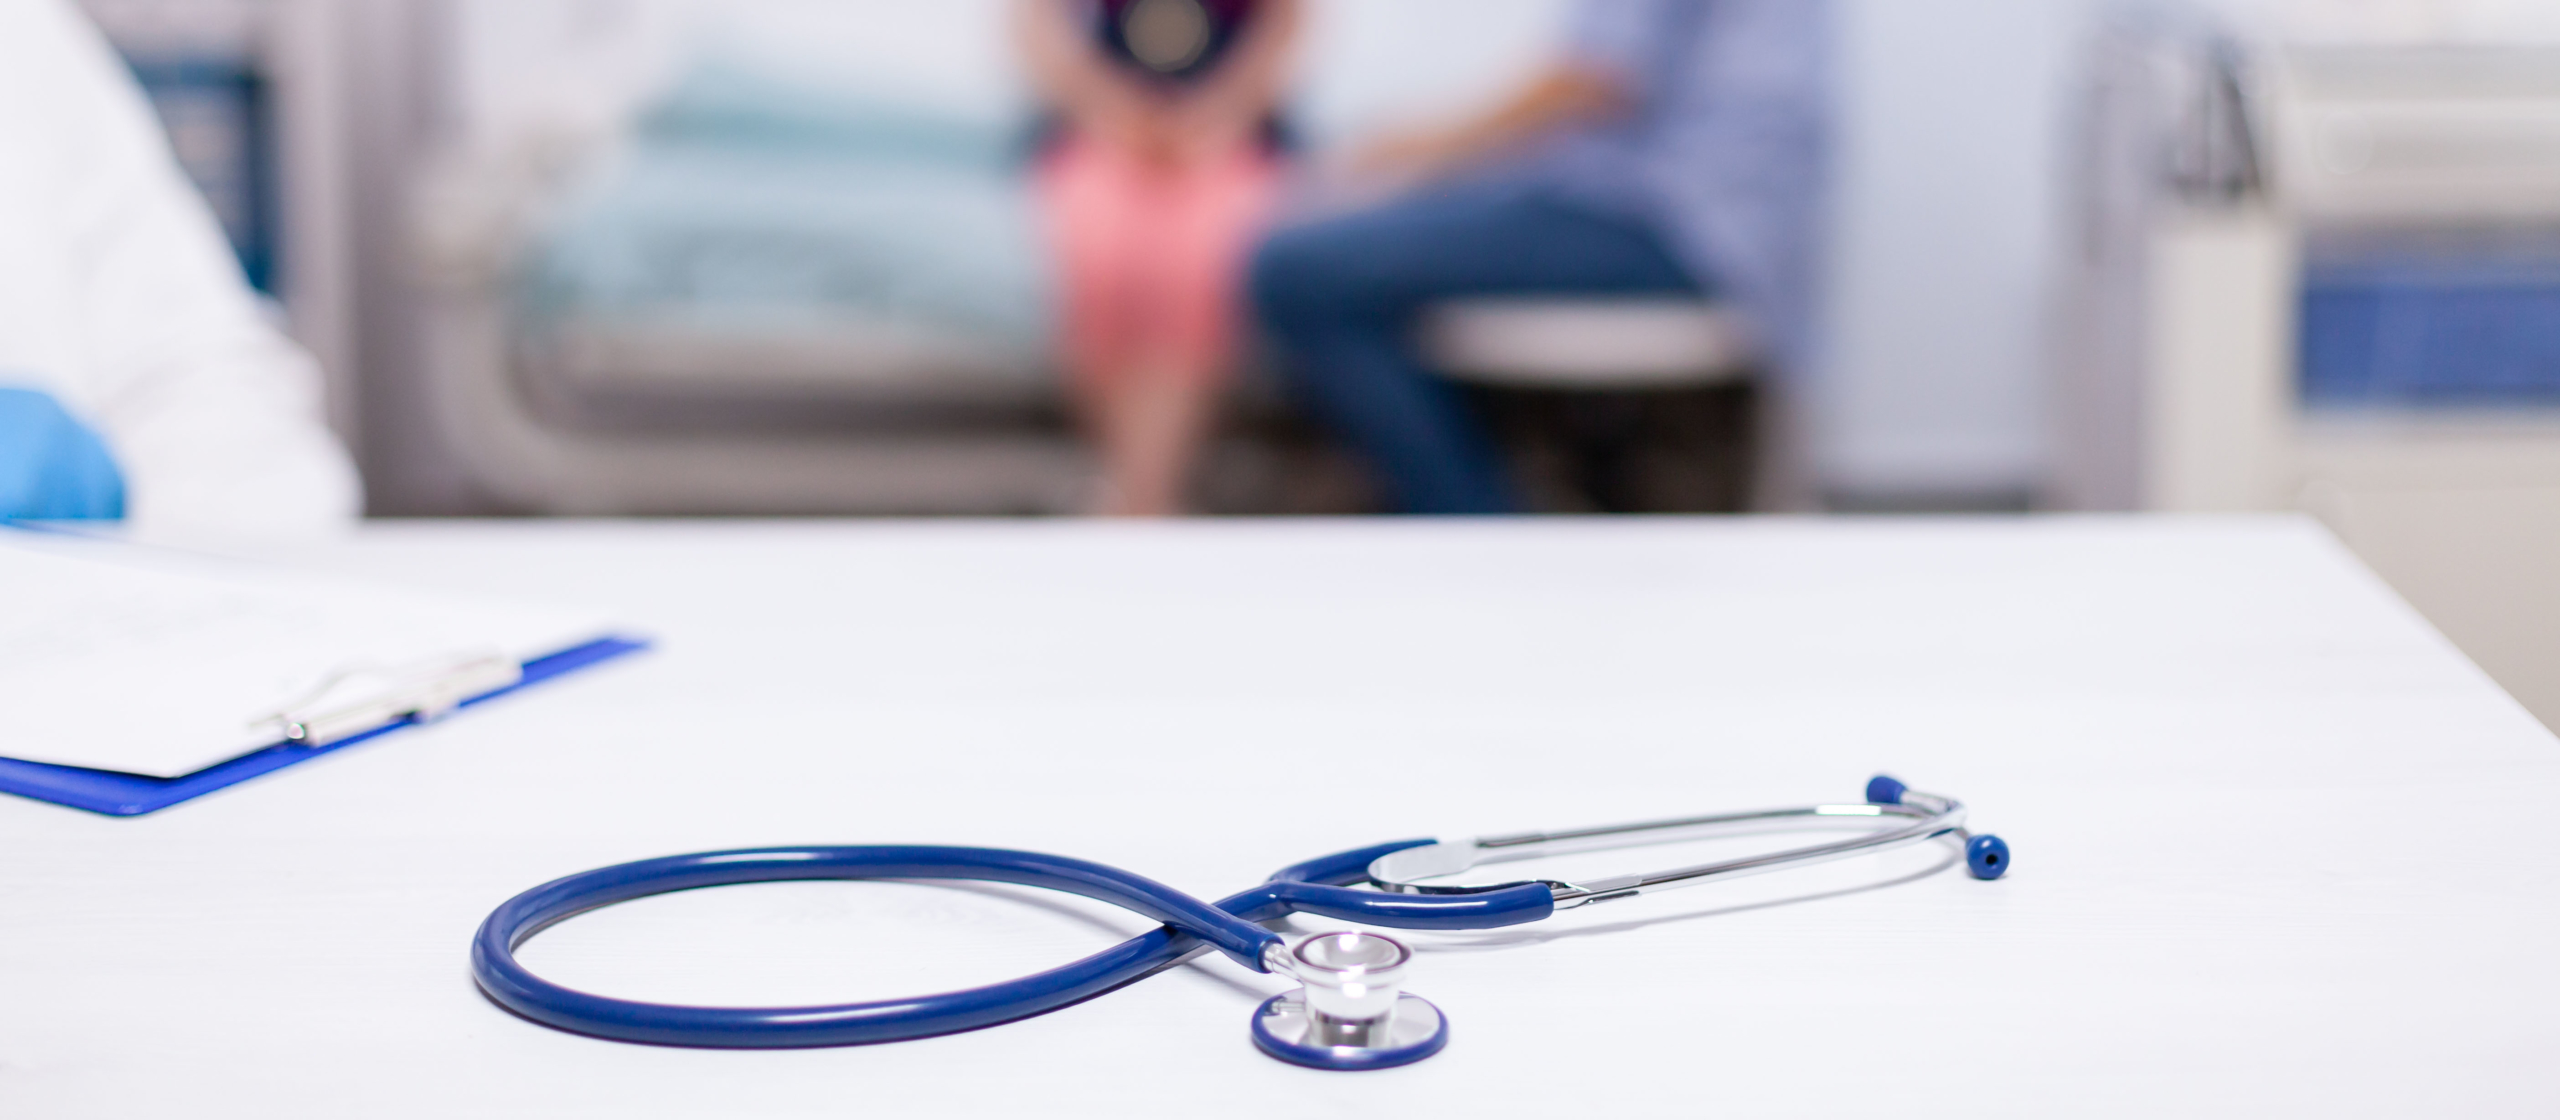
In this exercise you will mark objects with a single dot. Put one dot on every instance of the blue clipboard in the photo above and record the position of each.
(131, 795)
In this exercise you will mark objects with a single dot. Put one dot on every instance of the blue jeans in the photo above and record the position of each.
(1340, 298)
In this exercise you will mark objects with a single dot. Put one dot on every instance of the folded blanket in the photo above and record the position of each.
(743, 201)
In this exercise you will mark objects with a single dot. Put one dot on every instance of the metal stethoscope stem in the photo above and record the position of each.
(1919, 817)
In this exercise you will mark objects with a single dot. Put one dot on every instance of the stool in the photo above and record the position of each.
(1613, 404)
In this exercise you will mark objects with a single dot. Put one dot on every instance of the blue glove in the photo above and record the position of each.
(52, 467)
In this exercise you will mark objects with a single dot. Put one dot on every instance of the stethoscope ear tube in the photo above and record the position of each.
(1325, 886)
(1189, 923)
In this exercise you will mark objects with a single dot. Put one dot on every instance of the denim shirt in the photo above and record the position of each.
(1726, 152)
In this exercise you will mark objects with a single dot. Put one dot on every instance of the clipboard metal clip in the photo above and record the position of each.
(356, 701)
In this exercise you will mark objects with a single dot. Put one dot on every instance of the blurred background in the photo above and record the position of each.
(598, 257)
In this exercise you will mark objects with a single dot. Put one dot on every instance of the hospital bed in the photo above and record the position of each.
(792, 268)
(2325, 275)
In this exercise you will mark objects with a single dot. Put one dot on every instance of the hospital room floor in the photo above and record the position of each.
(2479, 564)
(1653, 451)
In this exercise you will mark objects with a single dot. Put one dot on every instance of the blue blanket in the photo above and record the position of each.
(745, 201)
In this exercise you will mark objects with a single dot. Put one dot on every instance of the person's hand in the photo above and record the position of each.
(1403, 159)
(1206, 129)
(1139, 126)
(1158, 138)
(1563, 97)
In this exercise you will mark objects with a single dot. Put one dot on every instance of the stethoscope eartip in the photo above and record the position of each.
(1986, 856)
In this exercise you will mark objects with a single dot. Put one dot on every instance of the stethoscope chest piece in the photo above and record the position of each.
(1353, 1013)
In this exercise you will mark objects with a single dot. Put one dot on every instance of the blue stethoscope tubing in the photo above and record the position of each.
(1231, 925)
(1318, 886)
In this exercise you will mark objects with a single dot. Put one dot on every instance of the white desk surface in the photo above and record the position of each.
(2280, 849)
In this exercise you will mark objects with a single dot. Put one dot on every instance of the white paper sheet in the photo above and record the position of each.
(124, 658)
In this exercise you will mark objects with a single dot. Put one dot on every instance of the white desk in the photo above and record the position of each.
(2280, 849)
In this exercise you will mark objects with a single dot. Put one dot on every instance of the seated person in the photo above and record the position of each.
(1676, 149)
(137, 376)
(1154, 189)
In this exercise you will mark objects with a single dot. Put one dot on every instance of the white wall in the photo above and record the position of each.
(579, 66)
(2394, 21)
(1386, 63)
(1948, 205)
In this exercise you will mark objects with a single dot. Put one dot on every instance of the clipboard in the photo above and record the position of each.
(131, 795)
(134, 678)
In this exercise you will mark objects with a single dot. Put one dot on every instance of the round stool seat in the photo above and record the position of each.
(1587, 343)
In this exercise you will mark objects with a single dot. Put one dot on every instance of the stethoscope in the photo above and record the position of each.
(1350, 1013)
